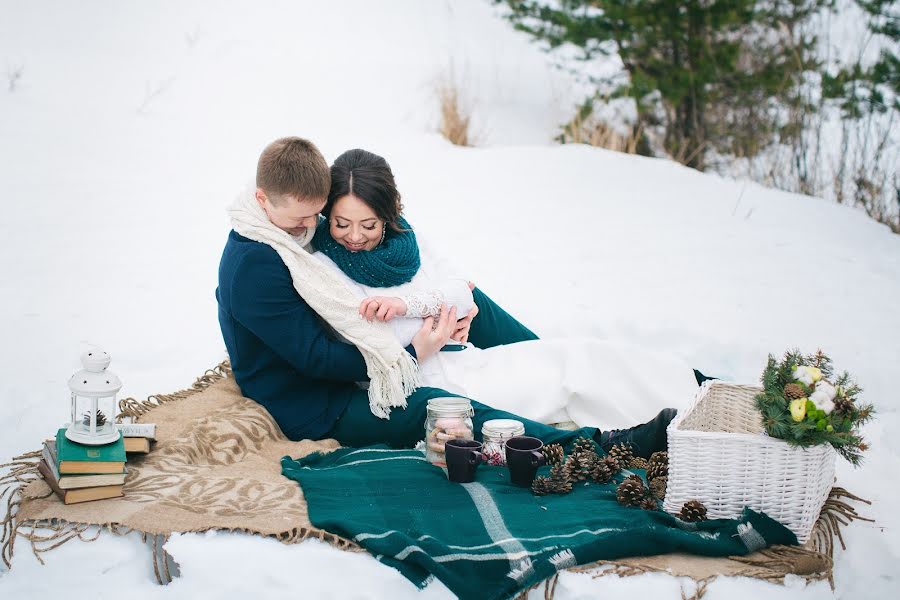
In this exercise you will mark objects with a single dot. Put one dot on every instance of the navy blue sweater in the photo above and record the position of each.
(281, 352)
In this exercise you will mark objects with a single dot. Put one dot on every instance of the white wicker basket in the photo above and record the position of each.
(720, 455)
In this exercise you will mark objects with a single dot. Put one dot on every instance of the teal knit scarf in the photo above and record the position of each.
(393, 262)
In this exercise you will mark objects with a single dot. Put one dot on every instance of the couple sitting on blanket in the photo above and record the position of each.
(343, 324)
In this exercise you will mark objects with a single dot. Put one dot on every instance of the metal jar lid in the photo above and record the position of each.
(450, 407)
(502, 429)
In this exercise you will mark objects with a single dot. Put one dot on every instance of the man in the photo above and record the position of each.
(285, 356)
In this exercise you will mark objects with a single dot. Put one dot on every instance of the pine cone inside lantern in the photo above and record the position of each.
(605, 469)
(101, 419)
(658, 487)
(553, 453)
(638, 463)
(630, 492)
(793, 391)
(659, 465)
(693, 511)
(622, 453)
(648, 503)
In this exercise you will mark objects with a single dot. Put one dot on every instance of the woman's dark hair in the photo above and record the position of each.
(368, 177)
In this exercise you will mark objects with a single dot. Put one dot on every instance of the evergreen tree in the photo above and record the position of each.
(713, 75)
(869, 99)
(874, 88)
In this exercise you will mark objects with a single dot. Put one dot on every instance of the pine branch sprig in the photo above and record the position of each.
(798, 420)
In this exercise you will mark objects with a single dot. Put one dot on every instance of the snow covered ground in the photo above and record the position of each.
(133, 124)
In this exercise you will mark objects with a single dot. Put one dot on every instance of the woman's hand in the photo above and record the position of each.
(433, 335)
(382, 308)
(461, 333)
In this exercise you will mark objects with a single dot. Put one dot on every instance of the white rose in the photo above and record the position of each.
(803, 374)
(822, 400)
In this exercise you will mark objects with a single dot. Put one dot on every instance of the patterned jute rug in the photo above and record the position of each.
(216, 465)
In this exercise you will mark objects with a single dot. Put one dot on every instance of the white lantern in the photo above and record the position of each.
(93, 401)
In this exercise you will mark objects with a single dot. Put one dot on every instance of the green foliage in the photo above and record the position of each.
(709, 71)
(840, 428)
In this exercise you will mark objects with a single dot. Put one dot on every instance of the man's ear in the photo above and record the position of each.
(261, 197)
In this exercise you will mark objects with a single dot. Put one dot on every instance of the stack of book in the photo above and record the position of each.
(80, 473)
(137, 436)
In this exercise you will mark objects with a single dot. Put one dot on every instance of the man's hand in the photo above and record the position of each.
(382, 308)
(432, 337)
(461, 333)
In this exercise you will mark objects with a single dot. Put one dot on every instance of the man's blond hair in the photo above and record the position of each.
(292, 166)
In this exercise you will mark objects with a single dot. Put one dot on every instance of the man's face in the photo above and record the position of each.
(291, 214)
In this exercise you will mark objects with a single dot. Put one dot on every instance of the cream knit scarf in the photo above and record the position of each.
(392, 370)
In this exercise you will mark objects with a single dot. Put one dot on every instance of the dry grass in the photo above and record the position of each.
(456, 115)
(594, 132)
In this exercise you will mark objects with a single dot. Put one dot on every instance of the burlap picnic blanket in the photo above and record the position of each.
(216, 465)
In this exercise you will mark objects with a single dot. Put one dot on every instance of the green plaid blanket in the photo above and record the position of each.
(490, 539)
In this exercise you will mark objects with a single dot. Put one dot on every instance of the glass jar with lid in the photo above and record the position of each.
(447, 419)
(494, 433)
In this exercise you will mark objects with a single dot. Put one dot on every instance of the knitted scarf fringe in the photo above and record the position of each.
(390, 385)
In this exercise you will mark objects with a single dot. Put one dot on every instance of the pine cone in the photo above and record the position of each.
(553, 453)
(559, 472)
(541, 486)
(693, 511)
(101, 418)
(843, 405)
(622, 453)
(605, 469)
(658, 487)
(630, 492)
(587, 462)
(638, 463)
(648, 503)
(560, 481)
(659, 465)
(560, 487)
(793, 391)
(584, 444)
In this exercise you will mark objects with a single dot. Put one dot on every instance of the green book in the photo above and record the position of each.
(81, 458)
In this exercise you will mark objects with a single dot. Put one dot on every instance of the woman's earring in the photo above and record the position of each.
(383, 231)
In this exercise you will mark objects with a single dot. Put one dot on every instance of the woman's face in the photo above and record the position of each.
(354, 225)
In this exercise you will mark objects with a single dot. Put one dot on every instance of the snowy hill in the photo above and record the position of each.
(133, 125)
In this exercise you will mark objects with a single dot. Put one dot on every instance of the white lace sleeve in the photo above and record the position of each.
(426, 304)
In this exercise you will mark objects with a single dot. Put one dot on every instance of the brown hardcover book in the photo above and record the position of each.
(68, 482)
(80, 494)
(137, 444)
(73, 458)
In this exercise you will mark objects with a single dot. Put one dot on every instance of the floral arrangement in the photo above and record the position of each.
(803, 404)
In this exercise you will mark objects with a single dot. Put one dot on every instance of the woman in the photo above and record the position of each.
(398, 279)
